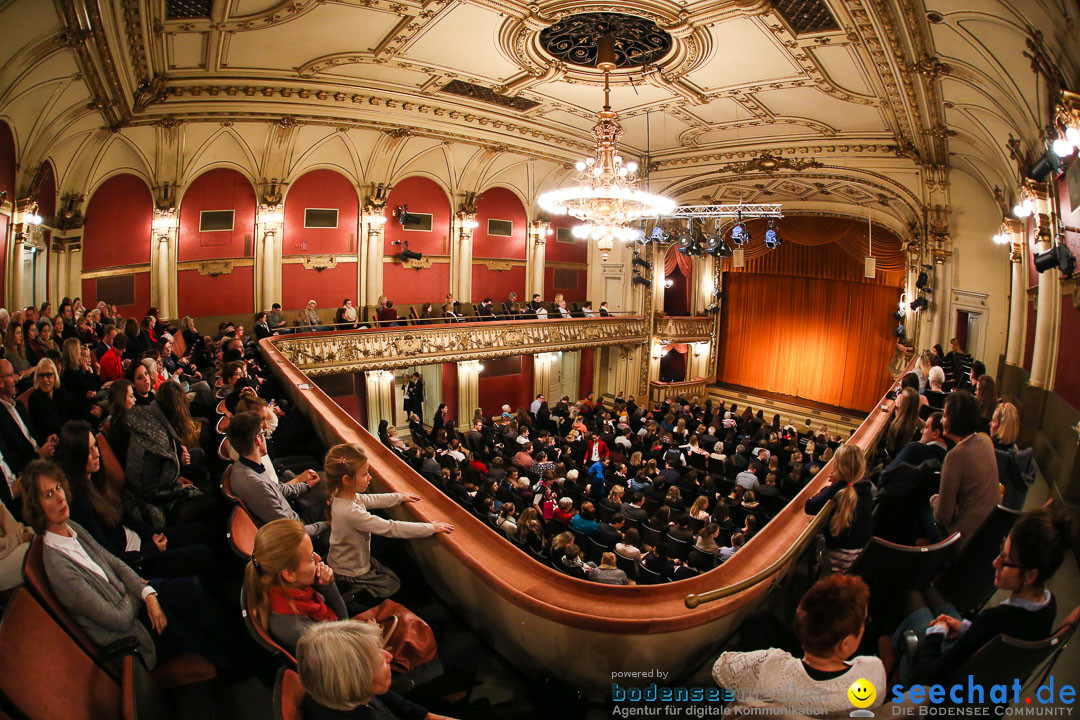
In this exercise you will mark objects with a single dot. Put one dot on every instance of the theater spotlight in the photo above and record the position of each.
(899, 331)
(713, 243)
(406, 254)
(641, 262)
(772, 237)
(920, 303)
(713, 309)
(401, 213)
(739, 234)
(1056, 257)
(922, 280)
(685, 243)
(898, 314)
(658, 235)
(638, 280)
(1048, 163)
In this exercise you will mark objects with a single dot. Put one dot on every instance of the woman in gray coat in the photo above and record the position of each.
(107, 598)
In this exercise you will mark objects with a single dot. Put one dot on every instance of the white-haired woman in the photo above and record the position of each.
(933, 393)
(346, 672)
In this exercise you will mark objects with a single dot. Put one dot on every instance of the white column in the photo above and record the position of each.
(63, 274)
(74, 267)
(269, 297)
(269, 224)
(379, 398)
(374, 220)
(461, 260)
(468, 390)
(1047, 323)
(539, 232)
(1014, 351)
(15, 292)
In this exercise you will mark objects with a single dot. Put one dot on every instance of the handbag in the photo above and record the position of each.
(408, 638)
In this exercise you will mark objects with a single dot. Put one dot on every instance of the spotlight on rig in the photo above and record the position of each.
(920, 303)
(772, 237)
(1056, 257)
(406, 254)
(641, 262)
(923, 279)
(401, 213)
(638, 280)
(658, 235)
(899, 331)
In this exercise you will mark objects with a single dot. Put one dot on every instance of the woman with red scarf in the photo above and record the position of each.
(289, 588)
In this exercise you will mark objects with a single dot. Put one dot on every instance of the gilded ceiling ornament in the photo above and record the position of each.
(769, 163)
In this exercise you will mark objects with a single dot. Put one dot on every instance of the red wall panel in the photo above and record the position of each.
(46, 193)
(449, 388)
(326, 287)
(1029, 339)
(405, 286)
(578, 251)
(7, 184)
(1067, 380)
(497, 285)
(570, 294)
(118, 225)
(513, 390)
(422, 196)
(499, 204)
(201, 295)
(585, 383)
(321, 189)
(142, 295)
(220, 189)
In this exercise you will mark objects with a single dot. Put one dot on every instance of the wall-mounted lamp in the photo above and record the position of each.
(701, 348)
(657, 351)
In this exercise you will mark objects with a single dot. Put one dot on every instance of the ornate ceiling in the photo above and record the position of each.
(855, 102)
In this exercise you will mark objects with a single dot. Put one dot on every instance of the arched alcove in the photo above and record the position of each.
(403, 285)
(214, 256)
(116, 244)
(332, 230)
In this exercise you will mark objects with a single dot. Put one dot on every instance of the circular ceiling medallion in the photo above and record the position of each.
(638, 41)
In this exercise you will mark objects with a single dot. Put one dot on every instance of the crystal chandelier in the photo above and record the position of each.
(605, 194)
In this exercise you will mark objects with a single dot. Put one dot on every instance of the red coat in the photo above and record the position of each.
(602, 452)
(111, 367)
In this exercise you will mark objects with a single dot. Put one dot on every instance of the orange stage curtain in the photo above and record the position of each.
(823, 340)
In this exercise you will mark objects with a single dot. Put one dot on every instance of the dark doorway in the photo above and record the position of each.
(673, 366)
(676, 297)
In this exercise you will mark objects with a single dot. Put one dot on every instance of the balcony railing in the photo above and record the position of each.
(684, 329)
(325, 353)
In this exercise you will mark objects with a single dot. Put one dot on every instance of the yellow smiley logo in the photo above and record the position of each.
(862, 693)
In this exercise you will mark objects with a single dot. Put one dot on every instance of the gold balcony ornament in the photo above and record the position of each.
(606, 193)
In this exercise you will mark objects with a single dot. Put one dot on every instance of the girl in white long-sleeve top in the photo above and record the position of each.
(352, 525)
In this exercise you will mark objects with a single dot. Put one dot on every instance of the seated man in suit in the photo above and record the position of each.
(537, 309)
(508, 307)
(17, 445)
(604, 312)
(561, 313)
(416, 428)
(931, 446)
(486, 310)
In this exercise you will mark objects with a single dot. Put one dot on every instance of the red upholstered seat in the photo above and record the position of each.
(288, 695)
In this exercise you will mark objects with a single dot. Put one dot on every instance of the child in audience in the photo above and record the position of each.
(347, 478)
(829, 624)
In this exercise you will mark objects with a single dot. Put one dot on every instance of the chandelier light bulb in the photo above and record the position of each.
(1063, 148)
(632, 166)
(590, 161)
(580, 165)
(1073, 135)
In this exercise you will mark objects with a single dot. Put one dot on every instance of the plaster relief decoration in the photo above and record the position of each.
(331, 353)
(319, 262)
(213, 268)
(684, 329)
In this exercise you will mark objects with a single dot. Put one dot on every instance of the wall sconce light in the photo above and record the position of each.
(701, 348)
(669, 283)
(374, 217)
(468, 221)
(472, 366)
(657, 351)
